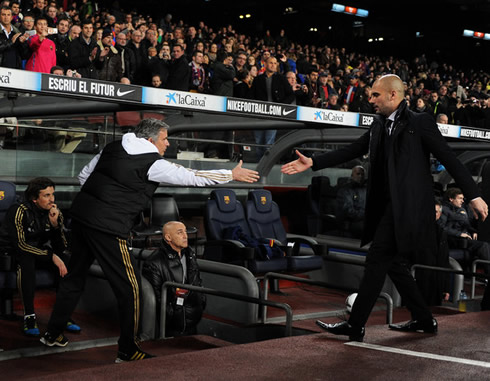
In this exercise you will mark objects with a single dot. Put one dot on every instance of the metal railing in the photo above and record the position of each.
(272, 275)
(473, 279)
(454, 271)
(223, 294)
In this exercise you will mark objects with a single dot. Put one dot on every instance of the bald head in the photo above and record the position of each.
(175, 234)
(386, 94)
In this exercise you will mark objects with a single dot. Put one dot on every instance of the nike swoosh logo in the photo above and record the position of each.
(123, 93)
(284, 112)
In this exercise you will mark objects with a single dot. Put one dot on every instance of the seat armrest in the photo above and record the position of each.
(302, 239)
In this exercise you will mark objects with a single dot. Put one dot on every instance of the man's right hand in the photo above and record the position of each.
(465, 235)
(299, 165)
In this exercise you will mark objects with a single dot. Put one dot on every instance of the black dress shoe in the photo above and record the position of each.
(427, 326)
(343, 328)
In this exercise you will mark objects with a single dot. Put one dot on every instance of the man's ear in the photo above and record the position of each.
(167, 237)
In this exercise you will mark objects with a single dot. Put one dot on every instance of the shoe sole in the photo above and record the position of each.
(52, 344)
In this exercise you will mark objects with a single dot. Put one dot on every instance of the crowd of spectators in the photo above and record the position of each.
(131, 48)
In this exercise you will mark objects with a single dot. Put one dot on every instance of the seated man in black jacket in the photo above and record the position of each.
(457, 223)
(175, 261)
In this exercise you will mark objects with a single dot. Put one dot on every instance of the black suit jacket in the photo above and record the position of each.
(281, 89)
(410, 180)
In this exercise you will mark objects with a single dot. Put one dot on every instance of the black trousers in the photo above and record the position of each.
(118, 266)
(26, 277)
(384, 259)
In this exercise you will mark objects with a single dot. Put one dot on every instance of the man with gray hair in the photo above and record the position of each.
(116, 185)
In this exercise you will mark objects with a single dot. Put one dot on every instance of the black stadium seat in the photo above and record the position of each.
(264, 219)
(224, 211)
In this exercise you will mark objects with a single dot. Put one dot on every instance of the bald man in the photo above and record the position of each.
(175, 261)
(399, 218)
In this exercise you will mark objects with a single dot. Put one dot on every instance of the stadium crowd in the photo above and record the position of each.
(115, 45)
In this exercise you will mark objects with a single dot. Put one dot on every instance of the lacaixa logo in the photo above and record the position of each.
(263, 200)
(227, 199)
(2, 195)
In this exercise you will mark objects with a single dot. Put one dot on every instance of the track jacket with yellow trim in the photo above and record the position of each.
(31, 233)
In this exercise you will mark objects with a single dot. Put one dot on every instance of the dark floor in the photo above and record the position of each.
(461, 349)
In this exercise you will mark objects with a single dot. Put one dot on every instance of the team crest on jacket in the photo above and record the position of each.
(226, 199)
(263, 200)
(2, 195)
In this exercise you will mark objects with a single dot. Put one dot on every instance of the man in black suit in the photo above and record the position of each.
(399, 216)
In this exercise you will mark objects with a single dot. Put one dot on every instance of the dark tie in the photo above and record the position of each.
(388, 124)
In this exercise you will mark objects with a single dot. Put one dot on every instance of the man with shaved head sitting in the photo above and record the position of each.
(175, 261)
(399, 219)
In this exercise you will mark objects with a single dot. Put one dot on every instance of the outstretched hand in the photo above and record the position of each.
(243, 174)
(478, 206)
(299, 165)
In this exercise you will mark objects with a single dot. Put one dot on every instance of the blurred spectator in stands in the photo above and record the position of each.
(435, 104)
(156, 81)
(486, 113)
(74, 33)
(459, 226)
(166, 23)
(333, 102)
(270, 87)
(175, 261)
(282, 40)
(324, 88)
(127, 57)
(151, 40)
(12, 42)
(251, 61)
(191, 40)
(16, 15)
(352, 92)
(86, 10)
(62, 42)
(98, 34)
(351, 203)
(311, 82)
(83, 52)
(421, 105)
(52, 16)
(243, 86)
(240, 61)
(471, 114)
(301, 94)
(43, 50)
(27, 22)
(442, 118)
(460, 92)
(213, 50)
(198, 74)
(262, 63)
(140, 56)
(37, 8)
(111, 62)
(364, 105)
(223, 74)
(179, 70)
(269, 41)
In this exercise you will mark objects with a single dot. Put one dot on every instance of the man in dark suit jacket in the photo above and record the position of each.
(400, 202)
